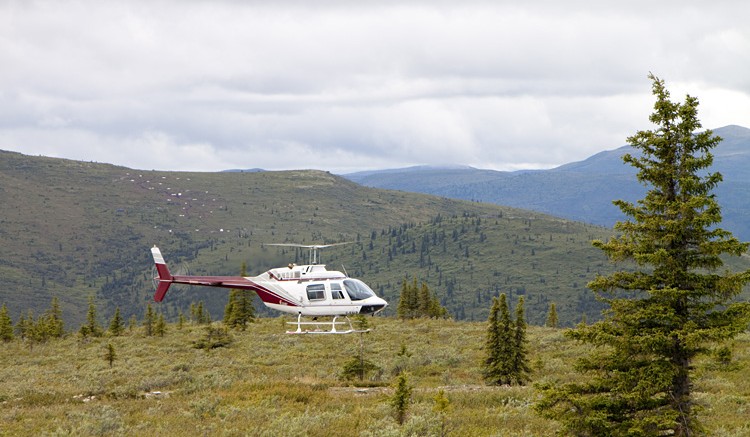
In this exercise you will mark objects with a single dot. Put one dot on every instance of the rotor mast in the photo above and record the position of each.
(313, 249)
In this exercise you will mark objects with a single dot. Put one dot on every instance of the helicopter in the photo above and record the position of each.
(304, 290)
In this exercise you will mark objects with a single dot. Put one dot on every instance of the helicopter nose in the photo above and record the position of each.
(377, 305)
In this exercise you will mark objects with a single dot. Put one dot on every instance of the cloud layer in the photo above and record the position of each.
(190, 85)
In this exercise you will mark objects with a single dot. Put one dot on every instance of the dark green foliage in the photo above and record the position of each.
(116, 325)
(506, 360)
(6, 325)
(415, 302)
(239, 311)
(161, 326)
(110, 354)
(496, 368)
(401, 398)
(215, 337)
(358, 368)
(49, 325)
(199, 314)
(723, 355)
(552, 316)
(672, 306)
(22, 326)
(149, 320)
(519, 367)
(361, 323)
(91, 328)
(53, 320)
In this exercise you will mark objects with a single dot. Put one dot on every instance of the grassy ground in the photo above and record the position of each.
(267, 383)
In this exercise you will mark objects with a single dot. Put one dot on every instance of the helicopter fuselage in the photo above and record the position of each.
(307, 290)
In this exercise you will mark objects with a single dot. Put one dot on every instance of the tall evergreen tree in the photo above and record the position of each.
(497, 368)
(404, 311)
(425, 298)
(22, 326)
(110, 355)
(149, 320)
(673, 305)
(55, 326)
(552, 320)
(116, 325)
(230, 313)
(239, 310)
(520, 369)
(161, 326)
(6, 325)
(91, 327)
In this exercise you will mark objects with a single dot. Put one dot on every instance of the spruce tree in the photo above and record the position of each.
(425, 298)
(55, 327)
(92, 327)
(552, 320)
(110, 354)
(497, 369)
(244, 309)
(161, 326)
(6, 325)
(419, 301)
(404, 311)
(230, 311)
(520, 369)
(21, 326)
(116, 325)
(149, 320)
(672, 305)
(401, 397)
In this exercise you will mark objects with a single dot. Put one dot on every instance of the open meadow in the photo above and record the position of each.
(268, 383)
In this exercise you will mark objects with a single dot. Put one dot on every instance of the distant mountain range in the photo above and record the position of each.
(581, 191)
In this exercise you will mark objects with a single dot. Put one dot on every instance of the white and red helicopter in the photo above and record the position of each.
(306, 290)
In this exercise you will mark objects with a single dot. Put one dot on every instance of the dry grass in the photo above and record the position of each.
(270, 383)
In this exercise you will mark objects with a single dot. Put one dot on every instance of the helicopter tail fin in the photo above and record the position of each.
(165, 278)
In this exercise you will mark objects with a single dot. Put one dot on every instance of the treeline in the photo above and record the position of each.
(418, 301)
(50, 324)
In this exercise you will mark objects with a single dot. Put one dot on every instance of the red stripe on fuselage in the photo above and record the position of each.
(239, 282)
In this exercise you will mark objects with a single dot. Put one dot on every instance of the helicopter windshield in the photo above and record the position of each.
(357, 290)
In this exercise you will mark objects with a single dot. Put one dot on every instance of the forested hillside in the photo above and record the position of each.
(77, 230)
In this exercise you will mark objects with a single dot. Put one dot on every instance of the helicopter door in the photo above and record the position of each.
(316, 293)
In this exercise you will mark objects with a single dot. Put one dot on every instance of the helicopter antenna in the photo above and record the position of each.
(314, 257)
(344, 269)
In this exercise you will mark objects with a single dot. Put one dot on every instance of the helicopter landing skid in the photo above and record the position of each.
(317, 330)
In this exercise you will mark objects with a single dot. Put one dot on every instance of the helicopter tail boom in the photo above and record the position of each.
(165, 278)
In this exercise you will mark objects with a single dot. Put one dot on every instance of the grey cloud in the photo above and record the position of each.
(237, 84)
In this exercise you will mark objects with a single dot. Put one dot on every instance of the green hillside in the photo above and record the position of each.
(269, 383)
(74, 229)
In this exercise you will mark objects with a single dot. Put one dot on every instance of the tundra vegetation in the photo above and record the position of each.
(265, 382)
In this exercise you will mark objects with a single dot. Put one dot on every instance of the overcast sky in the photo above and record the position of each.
(355, 85)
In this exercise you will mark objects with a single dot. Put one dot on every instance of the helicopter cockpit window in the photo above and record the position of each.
(336, 292)
(316, 292)
(357, 290)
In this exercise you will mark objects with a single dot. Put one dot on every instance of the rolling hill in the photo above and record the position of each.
(76, 230)
(580, 191)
